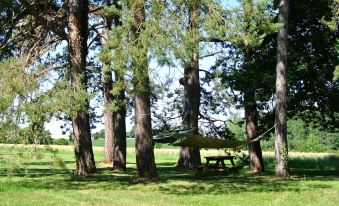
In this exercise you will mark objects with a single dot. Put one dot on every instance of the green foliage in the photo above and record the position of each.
(61, 141)
(26, 136)
(244, 71)
(336, 73)
(332, 22)
(302, 136)
(250, 23)
(307, 137)
(237, 126)
(100, 134)
(16, 85)
(12, 162)
(164, 37)
(312, 57)
(15, 158)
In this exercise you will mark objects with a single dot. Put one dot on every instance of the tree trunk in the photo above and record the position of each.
(108, 97)
(190, 157)
(115, 122)
(143, 129)
(77, 47)
(108, 114)
(250, 105)
(254, 150)
(119, 116)
(119, 152)
(281, 147)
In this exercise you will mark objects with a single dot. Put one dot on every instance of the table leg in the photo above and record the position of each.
(206, 165)
(232, 162)
(223, 164)
(217, 163)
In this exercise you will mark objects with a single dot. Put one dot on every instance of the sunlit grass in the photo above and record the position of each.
(37, 177)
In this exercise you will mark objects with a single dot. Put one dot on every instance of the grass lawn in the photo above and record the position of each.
(44, 177)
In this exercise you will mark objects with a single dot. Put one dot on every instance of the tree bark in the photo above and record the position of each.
(254, 149)
(108, 117)
(190, 157)
(108, 114)
(281, 147)
(119, 152)
(119, 116)
(77, 46)
(250, 105)
(108, 97)
(115, 121)
(143, 129)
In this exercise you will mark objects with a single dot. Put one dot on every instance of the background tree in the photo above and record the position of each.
(119, 114)
(143, 129)
(312, 57)
(336, 73)
(26, 39)
(281, 147)
(190, 157)
(245, 69)
(77, 48)
(190, 25)
(108, 96)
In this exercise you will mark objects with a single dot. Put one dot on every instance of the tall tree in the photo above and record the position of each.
(108, 97)
(77, 49)
(190, 157)
(51, 17)
(281, 147)
(250, 105)
(247, 71)
(119, 113)
(141, 86)
(114, 92)
(312, 56)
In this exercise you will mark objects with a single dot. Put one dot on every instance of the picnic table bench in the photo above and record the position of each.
(220, 165)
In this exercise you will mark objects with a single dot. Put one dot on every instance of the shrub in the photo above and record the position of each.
(61, 141)
(99, 135)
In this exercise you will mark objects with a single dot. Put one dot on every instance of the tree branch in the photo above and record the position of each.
(42, 21)
(213, 39)
(211, 119)
(209, 55)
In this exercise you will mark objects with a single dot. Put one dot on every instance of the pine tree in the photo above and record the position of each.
(119, 114)
(250, 105)
(281, 147)
(77, 48)
(246, 70)
(190, 157)
(108, 99)
(143, 129)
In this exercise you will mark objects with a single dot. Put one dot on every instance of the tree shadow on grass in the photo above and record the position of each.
(45, 163)
(330, 162)
(171, 180)
(236, 185)
(312, 167)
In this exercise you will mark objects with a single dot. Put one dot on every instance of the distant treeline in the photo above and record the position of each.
(302, 137)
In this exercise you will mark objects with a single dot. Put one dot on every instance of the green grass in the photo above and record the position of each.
(41, 178)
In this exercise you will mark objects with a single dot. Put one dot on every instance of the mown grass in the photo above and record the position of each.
(44, 177)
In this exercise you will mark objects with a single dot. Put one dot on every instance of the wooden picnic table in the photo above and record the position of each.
(220, 162)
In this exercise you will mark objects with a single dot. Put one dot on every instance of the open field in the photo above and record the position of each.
(44, 177)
